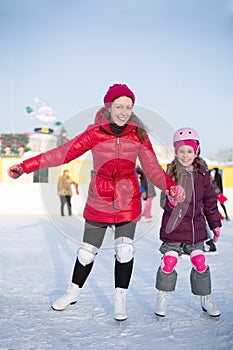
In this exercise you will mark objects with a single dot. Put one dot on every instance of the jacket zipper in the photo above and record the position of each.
(118, 150)
(117, 161)
(194, 204)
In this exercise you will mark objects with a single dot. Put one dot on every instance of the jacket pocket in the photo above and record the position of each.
(177, 219)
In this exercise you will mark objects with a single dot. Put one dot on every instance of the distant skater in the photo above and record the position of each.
(217, 181)
(64, 191)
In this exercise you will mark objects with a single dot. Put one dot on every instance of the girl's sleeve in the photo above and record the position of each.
(210, 205)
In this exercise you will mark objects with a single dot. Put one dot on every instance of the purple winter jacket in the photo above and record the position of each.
(186, 223)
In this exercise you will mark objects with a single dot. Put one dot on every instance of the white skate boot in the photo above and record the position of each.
(209, 307)
(69, 298)
(120, 312)
(161, 303)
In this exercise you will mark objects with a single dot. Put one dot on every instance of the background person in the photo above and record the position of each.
(217, 181)
(64, 191)
(148, 193)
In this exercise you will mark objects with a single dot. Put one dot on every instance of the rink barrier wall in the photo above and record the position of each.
(23, 196)
(42, 199)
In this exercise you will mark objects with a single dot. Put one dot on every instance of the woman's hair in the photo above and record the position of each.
(141, 129)
(174, 169)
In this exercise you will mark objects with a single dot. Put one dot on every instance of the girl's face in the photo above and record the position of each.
(186, 155)
(121, 110)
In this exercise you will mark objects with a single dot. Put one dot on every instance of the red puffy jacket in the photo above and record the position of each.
(114, 195)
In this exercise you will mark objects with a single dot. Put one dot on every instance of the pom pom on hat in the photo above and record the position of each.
(116, 91)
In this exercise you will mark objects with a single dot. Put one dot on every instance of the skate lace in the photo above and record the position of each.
(208, 305)
(161, 301)
(162, 298)
(70, 292)
(120, 301)
(211, 306)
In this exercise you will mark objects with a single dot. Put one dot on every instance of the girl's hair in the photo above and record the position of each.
(174, 168)
(141, 129)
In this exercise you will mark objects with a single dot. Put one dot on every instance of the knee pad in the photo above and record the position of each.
(169, 261)
(124, 249)
(198, 260)
(87, 253)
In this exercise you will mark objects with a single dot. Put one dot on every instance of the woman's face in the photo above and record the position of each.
(121, 110)
(186, 155)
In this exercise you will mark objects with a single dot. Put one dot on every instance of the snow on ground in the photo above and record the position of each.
(36, 266)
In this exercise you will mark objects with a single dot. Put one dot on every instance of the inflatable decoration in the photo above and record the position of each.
(43, 113)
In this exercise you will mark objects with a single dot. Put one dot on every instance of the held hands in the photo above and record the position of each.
(15, 171)
(175, 195)
(216, 231)
(171, 201)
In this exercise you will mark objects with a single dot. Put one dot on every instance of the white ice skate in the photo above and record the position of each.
(120, 298)
(161, 303)
(208, 307)
(69, 298)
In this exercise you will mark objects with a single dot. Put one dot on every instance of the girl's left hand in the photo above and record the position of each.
(216, 231)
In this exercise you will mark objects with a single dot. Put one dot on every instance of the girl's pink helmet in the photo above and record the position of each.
(186, 134)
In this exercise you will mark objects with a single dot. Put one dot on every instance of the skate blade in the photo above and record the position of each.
(73, 302)
(159, 315)
(212, 317)
(120, 319)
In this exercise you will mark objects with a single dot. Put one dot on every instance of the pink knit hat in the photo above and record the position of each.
(191, 143)
(116, 91)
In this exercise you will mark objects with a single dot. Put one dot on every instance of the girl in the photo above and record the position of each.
(116, 139)
(185, 225)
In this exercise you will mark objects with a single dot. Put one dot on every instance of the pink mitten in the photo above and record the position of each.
(216, 231)
(177, 193)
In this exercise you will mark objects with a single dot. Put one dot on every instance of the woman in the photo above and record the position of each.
(117, 138)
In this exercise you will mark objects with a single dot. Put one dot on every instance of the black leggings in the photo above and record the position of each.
(94, 234)
(95, 231)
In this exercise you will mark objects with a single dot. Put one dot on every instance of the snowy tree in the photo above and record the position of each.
(225, 155)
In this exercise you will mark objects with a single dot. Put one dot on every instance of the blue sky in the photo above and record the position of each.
(176, 56)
